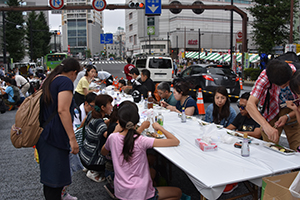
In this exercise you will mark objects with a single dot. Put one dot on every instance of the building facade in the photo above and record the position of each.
(81, 29)
(118, 47)
(182, 30)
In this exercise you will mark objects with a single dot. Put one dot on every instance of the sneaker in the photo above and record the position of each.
(84, 169)
(95, 176)
(110, 190)
(67, 196)
(230, 187)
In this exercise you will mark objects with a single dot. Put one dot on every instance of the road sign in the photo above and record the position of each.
(56, 4)
(151, 30)
(106, 38)
(152, 7)
(99, 5)
(239, 37)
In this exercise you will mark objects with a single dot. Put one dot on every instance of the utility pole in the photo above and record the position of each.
(291, 21)
(31, 42)
(149, 44)
(168, 46)
(231, 34)
(4, 40)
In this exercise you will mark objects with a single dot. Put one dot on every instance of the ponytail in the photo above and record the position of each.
(128, 117)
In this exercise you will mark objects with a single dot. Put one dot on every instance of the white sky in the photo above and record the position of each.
(112, 19)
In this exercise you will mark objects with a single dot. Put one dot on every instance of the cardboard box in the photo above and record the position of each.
(277, 187)
(205, 146)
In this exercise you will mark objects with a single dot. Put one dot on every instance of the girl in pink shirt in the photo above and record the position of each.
(128, 150)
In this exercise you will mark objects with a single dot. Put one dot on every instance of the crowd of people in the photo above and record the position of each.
(89, 133)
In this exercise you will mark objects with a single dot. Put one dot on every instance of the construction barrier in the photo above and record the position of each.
(241, 83)
(200, 103)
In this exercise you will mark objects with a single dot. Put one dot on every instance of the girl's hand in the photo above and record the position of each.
(145, 125)
(74, 146)
(291, 105)
(156, 126)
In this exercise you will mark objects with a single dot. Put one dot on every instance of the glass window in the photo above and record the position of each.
(130, 15)
(130, 39)
(81, 23)
(187, 72)
(219, 71)
(71, 23)
(71, 33)
(72, 41)
(130, 27)
(198, 70)
(82, 41)
(81, 32)
(141, 63)
(159, 63)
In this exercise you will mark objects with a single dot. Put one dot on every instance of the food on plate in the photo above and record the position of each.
(278, 148)
(239, 135)
(153, 134)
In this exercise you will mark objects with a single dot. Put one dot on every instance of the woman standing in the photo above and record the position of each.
(58, 136)
(184, 100)
(220, 111)
(82, 88)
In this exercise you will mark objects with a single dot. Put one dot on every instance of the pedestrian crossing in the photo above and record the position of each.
(104, 62)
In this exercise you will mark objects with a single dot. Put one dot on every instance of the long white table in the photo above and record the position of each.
(211, 171)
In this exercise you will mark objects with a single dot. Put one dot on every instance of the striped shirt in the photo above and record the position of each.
(93, 141)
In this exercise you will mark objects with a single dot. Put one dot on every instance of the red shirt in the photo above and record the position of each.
(127, 69)
(260, 91)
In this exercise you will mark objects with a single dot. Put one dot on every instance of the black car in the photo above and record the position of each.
(209, 77)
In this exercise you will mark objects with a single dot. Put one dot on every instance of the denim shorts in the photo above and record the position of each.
(155, 197)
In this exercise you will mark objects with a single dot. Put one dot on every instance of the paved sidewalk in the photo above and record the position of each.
(19, 174)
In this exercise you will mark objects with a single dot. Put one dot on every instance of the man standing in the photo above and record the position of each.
(127, 69)
(272, 89)
(243, 122)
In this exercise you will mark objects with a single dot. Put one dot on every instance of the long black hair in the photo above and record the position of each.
(67, 65)
(225, 111)
(128, 118)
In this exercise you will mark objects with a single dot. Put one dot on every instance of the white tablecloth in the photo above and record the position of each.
(212, 171)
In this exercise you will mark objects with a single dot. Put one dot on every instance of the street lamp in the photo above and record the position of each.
(199, 32)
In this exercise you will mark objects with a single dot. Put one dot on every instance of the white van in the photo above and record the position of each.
(160, 67)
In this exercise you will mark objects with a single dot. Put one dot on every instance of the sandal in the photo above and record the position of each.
(95, 176)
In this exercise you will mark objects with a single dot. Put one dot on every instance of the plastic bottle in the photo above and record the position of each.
(245, 152)
(160, 119)
(142, 99)
(118, 97)
(183, 116)
(146, 104)
(123, 94)
(112, 91)
(150, 100)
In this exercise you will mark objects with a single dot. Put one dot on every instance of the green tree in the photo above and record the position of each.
(15, 34)
(37, 35)
(45, 34)
(271, 23)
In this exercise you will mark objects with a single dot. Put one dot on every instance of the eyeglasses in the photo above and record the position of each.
(241, 107)
(91, 105)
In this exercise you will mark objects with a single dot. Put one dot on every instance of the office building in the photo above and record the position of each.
(182, 30)
(81, 29)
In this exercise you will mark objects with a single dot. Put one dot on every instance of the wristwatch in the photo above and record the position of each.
(289, 118)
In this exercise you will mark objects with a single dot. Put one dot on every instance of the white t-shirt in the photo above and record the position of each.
(77, 121)
(103, 75)
(20, 80)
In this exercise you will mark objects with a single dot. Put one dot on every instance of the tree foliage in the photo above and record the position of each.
(271, 23)
(14, 36)
(37, 35)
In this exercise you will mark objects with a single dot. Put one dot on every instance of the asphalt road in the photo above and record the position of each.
(19, 173)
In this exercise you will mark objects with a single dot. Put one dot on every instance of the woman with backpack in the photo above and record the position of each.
(58, 136)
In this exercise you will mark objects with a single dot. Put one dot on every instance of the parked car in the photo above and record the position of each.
(160, 67)
(209, 76)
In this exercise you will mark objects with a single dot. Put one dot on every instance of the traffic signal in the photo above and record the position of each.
(136, 5)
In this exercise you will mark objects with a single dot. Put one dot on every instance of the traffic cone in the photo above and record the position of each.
(200, 103)
(241, 83)
(171, 89)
